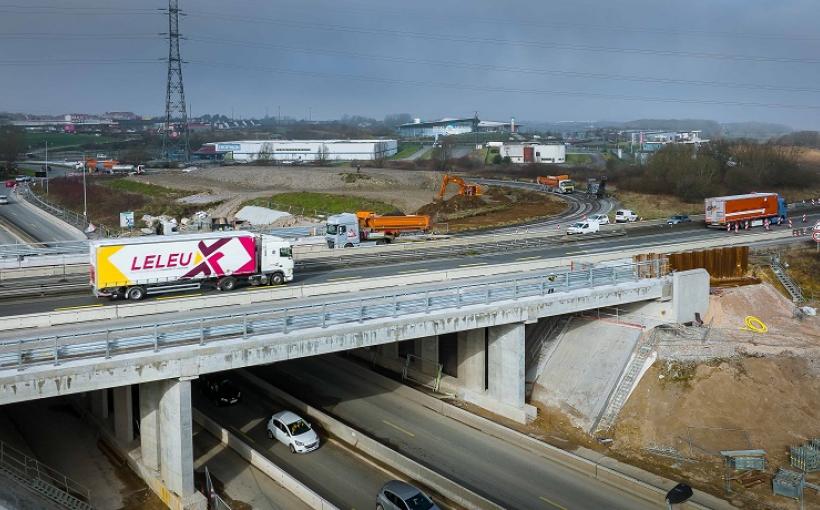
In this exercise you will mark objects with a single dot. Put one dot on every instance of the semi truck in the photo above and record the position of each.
(738, 209)
(347, 230)
(557, 183)
(136, 267)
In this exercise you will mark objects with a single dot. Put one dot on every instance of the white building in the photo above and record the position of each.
(298, 150)
(534, 152)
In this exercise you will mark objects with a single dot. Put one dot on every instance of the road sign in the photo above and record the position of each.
(816, 236)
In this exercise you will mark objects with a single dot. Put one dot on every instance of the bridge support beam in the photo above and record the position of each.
(150, 394)
(176, 429)
(505, 364)
(472, 359)
(427, 350)
(123, 414)
(99, 403)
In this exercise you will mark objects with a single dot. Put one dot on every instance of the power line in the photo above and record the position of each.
(515, 69)
(507, 42)
(34, 36)
(72, 62)
(469, 86)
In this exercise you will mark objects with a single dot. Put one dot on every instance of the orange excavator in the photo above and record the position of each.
(470, 190)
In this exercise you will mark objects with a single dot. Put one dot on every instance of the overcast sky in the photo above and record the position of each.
(727, 60)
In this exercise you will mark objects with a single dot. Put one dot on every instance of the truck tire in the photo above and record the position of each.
(226, 284)
(135, 293)
(349, 245)
(277, 279)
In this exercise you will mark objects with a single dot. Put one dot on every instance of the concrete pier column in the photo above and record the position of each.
(472, 359)
(389, 351)
(150, 394)
(427, 350)
(123, 414)
(505, 364)
(99, 403)
(176, 426)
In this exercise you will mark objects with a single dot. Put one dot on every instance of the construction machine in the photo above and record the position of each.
(470, 190)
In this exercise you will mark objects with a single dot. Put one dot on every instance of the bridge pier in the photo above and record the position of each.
(123, 414)
(166, 457)
(471, 351)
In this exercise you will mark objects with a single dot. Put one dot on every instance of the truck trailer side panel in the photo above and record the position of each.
(163, 261)
(730, 209)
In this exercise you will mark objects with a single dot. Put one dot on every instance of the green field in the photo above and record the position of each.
(321, 203)
(141, 188)
(38, 140)
(579, 159)
(406, 150)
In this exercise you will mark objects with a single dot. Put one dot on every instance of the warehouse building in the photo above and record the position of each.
(454, 126)
(298, 151)
(534, 152)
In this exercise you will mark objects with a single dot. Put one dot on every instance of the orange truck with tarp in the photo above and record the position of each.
(752, 207)
(557, 183)
(347, 230)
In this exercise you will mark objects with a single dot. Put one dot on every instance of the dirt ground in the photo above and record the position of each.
(496, 207)
(408, 190)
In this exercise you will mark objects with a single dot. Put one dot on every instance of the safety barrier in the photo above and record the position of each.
(153, 336)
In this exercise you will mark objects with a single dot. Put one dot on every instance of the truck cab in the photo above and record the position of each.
(342, 231)
(275, 261)
(566, 186)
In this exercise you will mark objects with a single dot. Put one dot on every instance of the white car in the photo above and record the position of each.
(583, 227)
(289, 429)
(600, 219)
(189, 169)
(4, 199)
(625, 216)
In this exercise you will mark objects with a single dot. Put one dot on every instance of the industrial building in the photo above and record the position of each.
(534, 152)
(454, 126)
(653, 141)
(298, 151)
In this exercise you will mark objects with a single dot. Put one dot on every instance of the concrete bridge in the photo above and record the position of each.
(153, 360)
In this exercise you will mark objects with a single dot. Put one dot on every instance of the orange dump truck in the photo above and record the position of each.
(347, 230)
(557, 183)
(752, 207)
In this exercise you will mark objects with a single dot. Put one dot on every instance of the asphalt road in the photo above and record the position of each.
(651, 238)
(504, 473)
(33, 224)
(331, 471)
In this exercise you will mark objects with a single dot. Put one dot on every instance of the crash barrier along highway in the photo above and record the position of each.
(357, 441)
(636, 481)
(262, 463)
(264, 294)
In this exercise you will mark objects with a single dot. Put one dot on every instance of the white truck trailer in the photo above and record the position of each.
(133, 268)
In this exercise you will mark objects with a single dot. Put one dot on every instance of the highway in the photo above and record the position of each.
(651, 238)
(506, 474)
(32, 223)
(332, 471)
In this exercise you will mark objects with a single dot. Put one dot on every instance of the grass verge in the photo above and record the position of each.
(579, 159)
(652, 207)
(407, 150)
(321, 203)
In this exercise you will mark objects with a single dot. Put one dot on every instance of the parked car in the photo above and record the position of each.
(600, 219)
(583, 227)
(678, 218)
(221, 390)
(398, 495)
(23, 178)
(625, 216)
(291, 430)
(4, 199)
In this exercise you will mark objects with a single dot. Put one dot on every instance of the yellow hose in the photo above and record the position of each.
(754, 324)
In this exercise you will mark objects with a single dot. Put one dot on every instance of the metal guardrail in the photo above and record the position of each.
(108, 342)
(36, 474)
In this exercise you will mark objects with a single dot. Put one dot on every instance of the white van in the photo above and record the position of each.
(625, 216)
(583, 227)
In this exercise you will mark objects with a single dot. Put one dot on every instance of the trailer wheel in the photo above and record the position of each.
(277, 279)
(226, 284)
(135, 293)
(349, 245)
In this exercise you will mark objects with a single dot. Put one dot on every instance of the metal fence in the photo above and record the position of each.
(422, 371)
(153, 337)
(34, 472)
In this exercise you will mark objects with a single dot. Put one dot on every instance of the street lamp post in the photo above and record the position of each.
(85, 202)
(46, 167)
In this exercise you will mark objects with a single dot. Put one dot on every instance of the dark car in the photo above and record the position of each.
(221, 390)
(678, 218)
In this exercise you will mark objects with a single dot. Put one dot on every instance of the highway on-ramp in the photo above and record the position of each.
(35, 224)
(511, 476)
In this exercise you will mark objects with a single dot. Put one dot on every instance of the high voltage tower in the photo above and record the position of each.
(175, 132)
